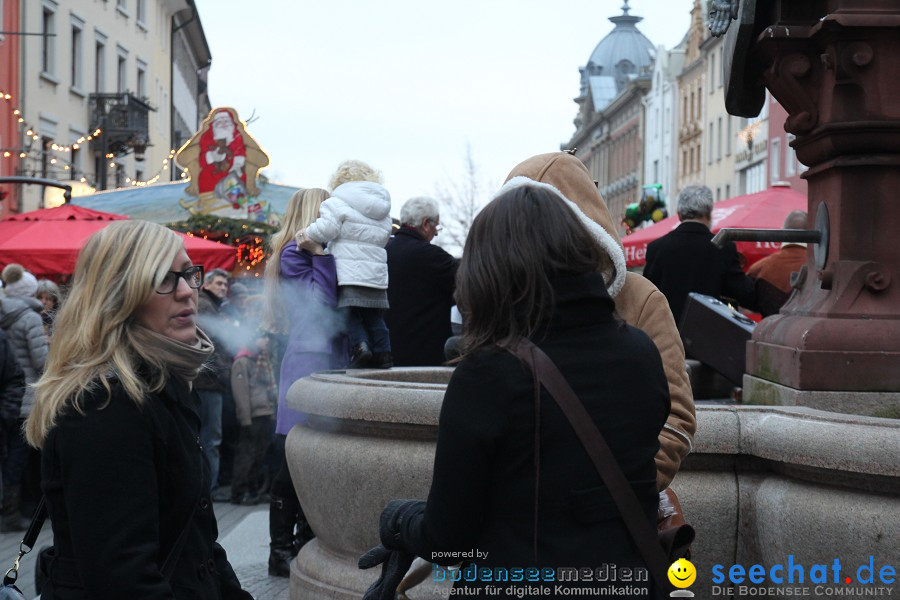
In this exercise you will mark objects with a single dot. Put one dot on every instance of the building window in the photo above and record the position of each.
(728, 137)
(712, 72)
(75, 163)
(655, 171)
(692, 106)
(141, 84)
(775, 160)
(99, 67)
(718, 194)
(122, 71)
(719, 141)
(722, 69)
(140, 10)
(48, 41)
(77, 66)
(710, 154)
(790, 158)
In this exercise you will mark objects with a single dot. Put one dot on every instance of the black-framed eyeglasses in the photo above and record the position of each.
(192, 275)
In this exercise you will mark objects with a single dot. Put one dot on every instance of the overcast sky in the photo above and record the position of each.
(406, 84)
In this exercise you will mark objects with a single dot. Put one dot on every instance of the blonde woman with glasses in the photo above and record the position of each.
(124, 478)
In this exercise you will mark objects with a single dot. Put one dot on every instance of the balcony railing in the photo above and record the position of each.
(123, 120)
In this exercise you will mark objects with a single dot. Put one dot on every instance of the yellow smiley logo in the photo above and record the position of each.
(682, 573)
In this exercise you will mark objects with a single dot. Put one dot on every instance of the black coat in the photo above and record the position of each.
(121, 483)
(421, 282)
(12, 389)
(685, 260)
(216, 376)
(482, 493)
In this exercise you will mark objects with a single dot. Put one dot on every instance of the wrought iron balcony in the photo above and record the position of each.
(124, 122)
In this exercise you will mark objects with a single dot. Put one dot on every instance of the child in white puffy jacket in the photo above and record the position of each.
(355, 222)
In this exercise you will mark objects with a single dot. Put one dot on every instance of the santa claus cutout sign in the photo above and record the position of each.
(222, 160)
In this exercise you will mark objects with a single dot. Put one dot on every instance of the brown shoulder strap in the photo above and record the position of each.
(645, 537)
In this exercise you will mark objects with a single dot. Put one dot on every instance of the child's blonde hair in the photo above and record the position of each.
(354, 170)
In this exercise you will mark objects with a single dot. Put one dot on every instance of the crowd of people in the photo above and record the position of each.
(152, 389)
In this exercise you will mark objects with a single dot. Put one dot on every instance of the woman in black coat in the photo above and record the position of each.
(123, 473)
(529, 270)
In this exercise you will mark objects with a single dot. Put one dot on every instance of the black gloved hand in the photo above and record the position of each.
(394, 565)
(394, 515)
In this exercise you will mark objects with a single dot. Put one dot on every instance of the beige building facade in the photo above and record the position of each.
(720, 129)
(97, 91)
(690, 166)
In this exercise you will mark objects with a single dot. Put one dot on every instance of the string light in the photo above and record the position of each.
(30, 132)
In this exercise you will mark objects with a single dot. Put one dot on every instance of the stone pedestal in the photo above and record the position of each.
(369, 439)
(832, 65)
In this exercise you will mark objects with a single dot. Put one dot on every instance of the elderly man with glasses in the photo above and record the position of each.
(421, 282)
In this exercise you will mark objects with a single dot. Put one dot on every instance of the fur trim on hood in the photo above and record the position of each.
(614, 279)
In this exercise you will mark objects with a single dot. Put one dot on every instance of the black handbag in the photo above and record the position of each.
(9, 591)
(653, 545)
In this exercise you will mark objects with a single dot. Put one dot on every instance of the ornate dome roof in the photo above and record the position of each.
(624, 52)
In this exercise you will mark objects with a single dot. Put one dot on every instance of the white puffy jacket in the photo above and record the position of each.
(356, 224)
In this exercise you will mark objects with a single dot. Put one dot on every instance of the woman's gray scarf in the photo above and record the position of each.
(184, 360)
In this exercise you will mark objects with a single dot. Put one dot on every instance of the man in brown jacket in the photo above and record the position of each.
(638, 303)
(777, 268)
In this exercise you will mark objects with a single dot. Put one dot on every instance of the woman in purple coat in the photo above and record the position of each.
(301, 288)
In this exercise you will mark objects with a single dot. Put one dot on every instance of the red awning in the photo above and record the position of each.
(47, 242)
(762, 210)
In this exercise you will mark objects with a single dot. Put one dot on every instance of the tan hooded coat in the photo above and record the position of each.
(638, 302)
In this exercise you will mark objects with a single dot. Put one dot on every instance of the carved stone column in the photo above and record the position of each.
(835, 67)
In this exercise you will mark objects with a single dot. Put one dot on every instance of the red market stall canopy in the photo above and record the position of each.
(762, 210)
(47, 242)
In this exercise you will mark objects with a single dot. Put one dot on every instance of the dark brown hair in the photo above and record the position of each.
(518, 245)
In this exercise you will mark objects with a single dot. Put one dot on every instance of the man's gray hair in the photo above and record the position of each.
(695, 202)
(416, 210)
(796, 219)
(215, 273)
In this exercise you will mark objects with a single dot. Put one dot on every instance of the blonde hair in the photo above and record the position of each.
(354, 170)
(117, 271)
(302, 211)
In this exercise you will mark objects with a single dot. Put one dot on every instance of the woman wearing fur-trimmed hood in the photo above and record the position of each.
(637, 301)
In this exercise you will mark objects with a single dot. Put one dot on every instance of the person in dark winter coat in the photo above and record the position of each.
(301, 287)
(125, 481)
(213, 382)
(685, 260)
(255, 396)
(20, 319)
(12, 388)
(533, 269)
(422, 278)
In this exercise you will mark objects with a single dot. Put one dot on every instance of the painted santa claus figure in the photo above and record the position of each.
(223, 160)
(222, 151)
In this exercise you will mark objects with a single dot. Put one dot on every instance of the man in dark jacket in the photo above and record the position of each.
(422, 279)
(212, 383)
(685, 260)
(12, 388)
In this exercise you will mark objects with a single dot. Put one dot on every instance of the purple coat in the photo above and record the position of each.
(316, 339)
